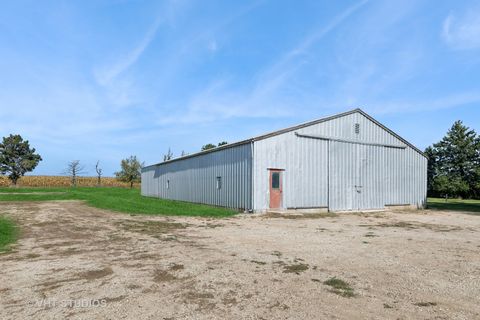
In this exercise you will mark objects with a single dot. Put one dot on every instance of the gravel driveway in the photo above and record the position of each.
(77, 262)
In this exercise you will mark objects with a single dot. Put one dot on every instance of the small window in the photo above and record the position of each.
(357, 128)
(275, 180)
(168, 184)
(219, 183)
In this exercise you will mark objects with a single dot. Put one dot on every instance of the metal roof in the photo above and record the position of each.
(296, 127)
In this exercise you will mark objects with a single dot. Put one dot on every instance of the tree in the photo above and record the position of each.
(454, 163)
(450, 187)
(131, 170)
(17, 158)
(74, 169)
(168, 156)
(208, 146)
(183, 154)
(99, 173)
(432, 167)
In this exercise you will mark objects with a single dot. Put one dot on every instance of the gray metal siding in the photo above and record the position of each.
(342, 167)
(195, 179)
(304, 178)
(322, 173)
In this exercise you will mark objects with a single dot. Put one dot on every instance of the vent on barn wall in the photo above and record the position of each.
(357, 128)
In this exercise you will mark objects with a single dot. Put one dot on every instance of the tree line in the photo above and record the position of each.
(17, 158)
(454, 164)
(131, 171)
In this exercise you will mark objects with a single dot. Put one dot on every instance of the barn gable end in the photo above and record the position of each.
(345, 162)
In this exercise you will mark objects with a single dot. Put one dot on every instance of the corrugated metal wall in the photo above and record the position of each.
(339, 175)
(305, 176)
(195, 179)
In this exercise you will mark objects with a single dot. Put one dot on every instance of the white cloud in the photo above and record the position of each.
(462, 32)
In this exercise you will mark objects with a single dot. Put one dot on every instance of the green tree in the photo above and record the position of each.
(222, 143)
(455, 161)
(131, 170)
(17, 158)
(476, 185)
(208, 146)
(432, 167)
(450, 186)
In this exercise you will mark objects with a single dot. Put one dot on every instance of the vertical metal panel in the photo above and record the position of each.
(305, 176)
(342, 177)
(194, 179)
(315, 178)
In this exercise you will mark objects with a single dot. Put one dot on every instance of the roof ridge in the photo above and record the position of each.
(292, 128)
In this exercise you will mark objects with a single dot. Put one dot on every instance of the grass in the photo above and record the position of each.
(115, 199)
(472, 206)
(295, 268)
(8, 233)
(340, 287)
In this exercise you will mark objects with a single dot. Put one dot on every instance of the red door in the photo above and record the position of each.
(275, 189)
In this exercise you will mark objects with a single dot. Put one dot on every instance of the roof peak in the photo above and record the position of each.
(291, 128)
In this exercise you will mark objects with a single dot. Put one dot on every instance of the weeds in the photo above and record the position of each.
(340, 287)
(425, 304)
(295, 268)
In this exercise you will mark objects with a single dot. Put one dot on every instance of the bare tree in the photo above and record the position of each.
(168, 156)
(99, 173)
(74, 169)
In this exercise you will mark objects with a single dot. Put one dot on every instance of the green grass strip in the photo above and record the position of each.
(471, 206)
(8, 233)
(115, 199)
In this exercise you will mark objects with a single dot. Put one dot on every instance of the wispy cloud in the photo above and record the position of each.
(280, 71)
(317, 34)
(462, 31)
(433, 104)
(212, 46)
(217, 102)
(265, 99)
(105, 75)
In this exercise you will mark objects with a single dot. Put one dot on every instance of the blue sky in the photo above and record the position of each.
(103, 80)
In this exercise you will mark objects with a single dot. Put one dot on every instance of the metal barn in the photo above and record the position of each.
(346, 162)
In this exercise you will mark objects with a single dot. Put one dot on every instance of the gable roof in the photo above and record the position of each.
(296, 127)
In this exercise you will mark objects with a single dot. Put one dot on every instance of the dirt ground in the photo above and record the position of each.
(77, 262)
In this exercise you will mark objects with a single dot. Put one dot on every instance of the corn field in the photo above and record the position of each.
(64, 181)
